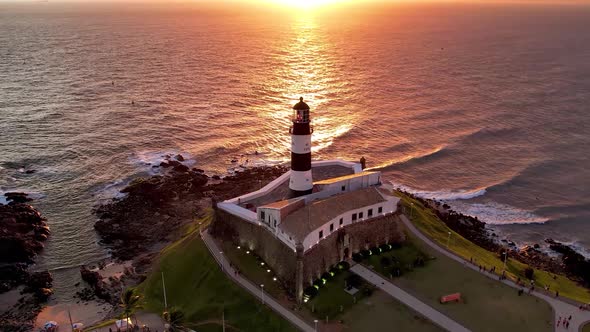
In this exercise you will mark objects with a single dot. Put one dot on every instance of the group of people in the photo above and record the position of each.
(565, 322)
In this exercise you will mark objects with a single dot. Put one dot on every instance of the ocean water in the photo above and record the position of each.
(484, 106)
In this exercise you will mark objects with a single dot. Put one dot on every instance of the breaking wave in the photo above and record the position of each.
(443, 195)
(498, 214)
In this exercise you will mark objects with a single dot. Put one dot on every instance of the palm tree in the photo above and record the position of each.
(174, 318)
(129, 302)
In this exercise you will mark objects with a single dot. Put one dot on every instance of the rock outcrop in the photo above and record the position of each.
(156, 207)
(22, 232)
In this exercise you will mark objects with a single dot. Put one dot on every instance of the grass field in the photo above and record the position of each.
(250, 267)
(332, 300)
(381, 312)
(402, 258)
(487, 304)
(195, 284)
(378, 312)
(428, 223)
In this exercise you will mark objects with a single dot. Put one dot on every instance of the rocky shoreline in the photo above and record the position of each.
(22, 233)
(568, 262)
(155, 211)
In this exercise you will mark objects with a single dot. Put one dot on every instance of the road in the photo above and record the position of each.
(253, 289)
(560, 308)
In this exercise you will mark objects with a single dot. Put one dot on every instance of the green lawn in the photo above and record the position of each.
(487, 304)
(195, 284)
(381, 312)
(401, 258)
(332, 300)
(253, 269)
(586, 328)
(429, 224)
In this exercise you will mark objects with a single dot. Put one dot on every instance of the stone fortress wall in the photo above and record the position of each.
(296, 270)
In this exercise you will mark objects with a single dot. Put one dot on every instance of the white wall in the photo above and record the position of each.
(312, 238)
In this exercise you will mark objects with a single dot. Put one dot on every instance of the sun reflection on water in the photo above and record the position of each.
(308, 70)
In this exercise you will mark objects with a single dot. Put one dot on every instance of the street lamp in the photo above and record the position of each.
(262, 292)
(411, 211)
(505, 258)
(448, 239)
(316, 325)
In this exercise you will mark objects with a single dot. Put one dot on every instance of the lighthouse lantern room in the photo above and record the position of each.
(301, 182)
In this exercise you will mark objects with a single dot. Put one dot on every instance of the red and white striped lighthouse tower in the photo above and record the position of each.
(301, 182)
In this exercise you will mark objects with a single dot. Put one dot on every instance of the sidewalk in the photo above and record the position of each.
(407, 299)
(253, 289)
(560, 308)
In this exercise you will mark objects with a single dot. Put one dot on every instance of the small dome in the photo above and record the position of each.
(301, 105)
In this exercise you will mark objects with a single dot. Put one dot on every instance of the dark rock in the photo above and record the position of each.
(180, 168)
(30, 171)
(18, 239)
(157, 207)
(95, 282)
(17, 197)
(179, 157)
(216, 177)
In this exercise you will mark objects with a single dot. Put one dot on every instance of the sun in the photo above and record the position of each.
(307, 3)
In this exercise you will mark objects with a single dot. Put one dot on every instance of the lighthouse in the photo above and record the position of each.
(300, 181)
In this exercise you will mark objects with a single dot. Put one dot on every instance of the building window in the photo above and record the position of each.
(275, 223)
(370, 213)
(331, 228)
(262, 215)
(341, 221)
(380, 209)
(321, 234)
(354, 217)
(360, 215)
(343, 188)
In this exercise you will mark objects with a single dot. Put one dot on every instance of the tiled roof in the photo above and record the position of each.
(303, 221)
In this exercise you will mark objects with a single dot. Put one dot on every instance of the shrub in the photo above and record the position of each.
(353, 281)
(385, 247)
(318, 283)
(529, 273)
(357, 257)
(326, 276)
(376, 251)
(366, 253)
(310, 291)
(344, 266)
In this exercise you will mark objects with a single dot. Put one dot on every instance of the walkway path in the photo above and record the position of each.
(254, 290)
(561, 308)
(407, 299)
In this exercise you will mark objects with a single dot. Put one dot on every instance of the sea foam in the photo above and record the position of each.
(498, 214)
(443, 195)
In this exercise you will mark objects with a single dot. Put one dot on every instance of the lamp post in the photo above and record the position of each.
(315, 321)
(448, 239)
(505, 258)
(262, 292)
(411, 211)
(164, 288)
